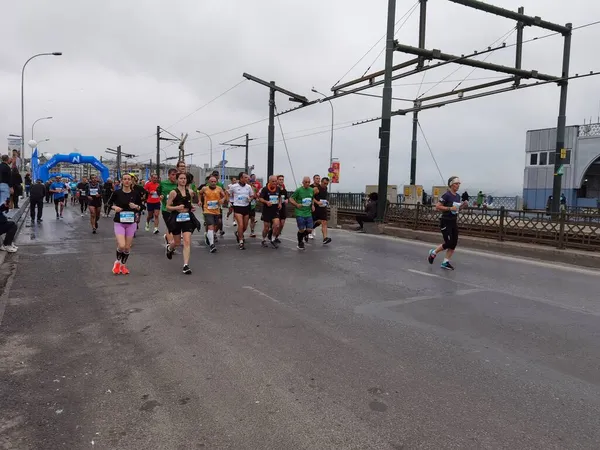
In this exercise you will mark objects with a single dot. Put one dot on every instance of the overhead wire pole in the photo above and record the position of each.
(246, 145)
(386, 113)
(159, 138)
(413, 149)
(293, 97)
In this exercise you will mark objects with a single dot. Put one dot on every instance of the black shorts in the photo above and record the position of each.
(177, 228)
(95, 202)
(212, 220)
(320, 213)
(449, 229)
(268, 214)
(243, 210)
(151, 207)
(252, 212)
(59, 200)
(166, 215)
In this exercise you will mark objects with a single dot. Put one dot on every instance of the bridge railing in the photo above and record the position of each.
(569, 229)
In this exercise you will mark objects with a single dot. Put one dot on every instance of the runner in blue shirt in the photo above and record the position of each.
(58, 189)
(73, 187)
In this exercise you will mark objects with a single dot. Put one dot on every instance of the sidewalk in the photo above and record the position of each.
(547, 253)
(17, 215)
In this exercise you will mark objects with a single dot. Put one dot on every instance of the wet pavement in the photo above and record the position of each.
(357, 345)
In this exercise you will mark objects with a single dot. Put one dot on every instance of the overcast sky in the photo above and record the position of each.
(131, 65)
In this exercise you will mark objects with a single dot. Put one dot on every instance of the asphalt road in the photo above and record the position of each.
(357, 345)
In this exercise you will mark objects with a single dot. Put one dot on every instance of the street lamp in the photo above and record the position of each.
(23, 102)
(209, 138)
(332, 122)
(41, 118)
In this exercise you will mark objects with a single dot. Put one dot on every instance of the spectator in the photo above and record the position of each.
(38, 192)
(17, 184)
(7, 228)
(370, 211)
(563, 202)
(27, 183)
(480, 197)
(48, 194)
(5, 179)
(465, 197)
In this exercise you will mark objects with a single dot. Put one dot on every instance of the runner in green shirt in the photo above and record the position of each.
(164, 189)
(302, 199)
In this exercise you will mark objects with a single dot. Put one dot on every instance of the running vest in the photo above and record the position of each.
(211, 200)
(321, 196)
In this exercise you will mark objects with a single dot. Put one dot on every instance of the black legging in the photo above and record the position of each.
(83, 203)
(361, 219)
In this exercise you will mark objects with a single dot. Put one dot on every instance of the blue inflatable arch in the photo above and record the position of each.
(73, 158)
(62, 175)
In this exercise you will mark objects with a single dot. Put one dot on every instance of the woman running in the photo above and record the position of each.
(126, 202)
(182, 221)
(94, 195)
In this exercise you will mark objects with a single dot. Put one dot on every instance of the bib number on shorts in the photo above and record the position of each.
(274, 199)
(307, 201)
(183, 217)
(126, 217)
(93, 191)
(212, 204)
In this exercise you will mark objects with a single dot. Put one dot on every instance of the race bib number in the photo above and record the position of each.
(274, 199)
(457, 207)
(324, 203)
(307, 201)
(126, 217)
(183, 217)
(154, 195)
(253, 202)
(212, 204)
(242, 198)
(93, 191)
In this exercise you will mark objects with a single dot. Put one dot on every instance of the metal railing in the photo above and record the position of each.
(565, 230)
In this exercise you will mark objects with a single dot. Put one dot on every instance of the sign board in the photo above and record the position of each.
(413, 194)
(561, 170)
(563, 153)
(334, 172)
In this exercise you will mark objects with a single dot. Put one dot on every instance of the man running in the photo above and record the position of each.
(241, 194)
(94, 196)
(321, 204)
(271, 204)
(164, 189)
(57, 189)
(283, 193)
(315, 184)
(212, 197)
(153, 203)
(73, 189)
(449, 204)
(107, 192)
(82, 188)
(302, 199)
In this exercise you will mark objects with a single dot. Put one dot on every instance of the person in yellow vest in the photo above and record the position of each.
(212, 198)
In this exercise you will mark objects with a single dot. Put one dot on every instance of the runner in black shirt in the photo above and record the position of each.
(271, 204)
(321, 205)
(82, 188)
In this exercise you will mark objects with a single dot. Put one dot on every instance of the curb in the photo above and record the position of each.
(524, 250)
(19, 218)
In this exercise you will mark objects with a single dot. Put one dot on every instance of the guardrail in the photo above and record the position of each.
(579, 230)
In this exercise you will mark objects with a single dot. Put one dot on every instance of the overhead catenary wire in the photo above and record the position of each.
(431, 152)
(286, 150)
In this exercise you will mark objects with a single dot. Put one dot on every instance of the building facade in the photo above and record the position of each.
(581, 177)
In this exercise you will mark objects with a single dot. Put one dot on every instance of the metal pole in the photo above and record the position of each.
(271, 134)
(414, 144)
(332, 124)
(247, 148)
(386, 113)
(33, 125)
(158, 151)
(119, 161)
(562, 121)
(211, 147)
(519, 53)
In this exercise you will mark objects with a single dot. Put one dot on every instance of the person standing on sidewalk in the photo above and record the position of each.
(7, 228)
(6, 189)
(17, 185)
(27, 184)
(36, 199)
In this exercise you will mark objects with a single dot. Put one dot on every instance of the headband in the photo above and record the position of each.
(453, 180)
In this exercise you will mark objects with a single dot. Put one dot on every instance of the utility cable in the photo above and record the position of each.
(286, 150)
(431, 152)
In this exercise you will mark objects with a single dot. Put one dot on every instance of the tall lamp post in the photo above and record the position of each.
(23, 102)
(332, 122)
(209, 138)
(33, 126)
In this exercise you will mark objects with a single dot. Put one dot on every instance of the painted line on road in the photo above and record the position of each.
(550, 265)
(261, 293)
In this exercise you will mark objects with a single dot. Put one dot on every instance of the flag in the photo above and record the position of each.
(147, 173)
(35, 165)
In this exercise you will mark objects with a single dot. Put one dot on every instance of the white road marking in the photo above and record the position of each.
(262, 294)
(433, 275)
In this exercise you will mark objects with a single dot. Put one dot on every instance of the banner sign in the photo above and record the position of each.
(334, 172)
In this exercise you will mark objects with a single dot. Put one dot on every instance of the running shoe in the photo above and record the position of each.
(124, 270)
(432, 256)
(235, 224)
(8, 248)
(61, 216)
(300, 245)
(306, 238)
(447, 266)
(93, 231)
(147, 227)
(264, 244)
(273, 244)
(242, 246)
(311, 236)
(116, 268)
(276, 240)
(156, 231)
(169, 252)
(213, 248)
(222, 233)
(252, 234)
(187, 270)
(326, 241)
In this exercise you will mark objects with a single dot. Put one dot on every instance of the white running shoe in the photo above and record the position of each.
(9, 248)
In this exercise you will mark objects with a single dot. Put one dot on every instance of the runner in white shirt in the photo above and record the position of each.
(241, 194)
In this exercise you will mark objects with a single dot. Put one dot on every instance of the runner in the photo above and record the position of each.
(153, 203)
(271, 204)
(212, 197)
(126, 202)
(302, 199)
(241, 194)
(182, 220)
(449, 204)
(321, 204)
(57, 188)
(215, 173)
(283, 193)
(164, 189)
(73, 189)
(234, 180)
(252, 214)
(143, 194)
(315, 184)
(94, 196)
(67, 191)
(107, 191)
(82, 188)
